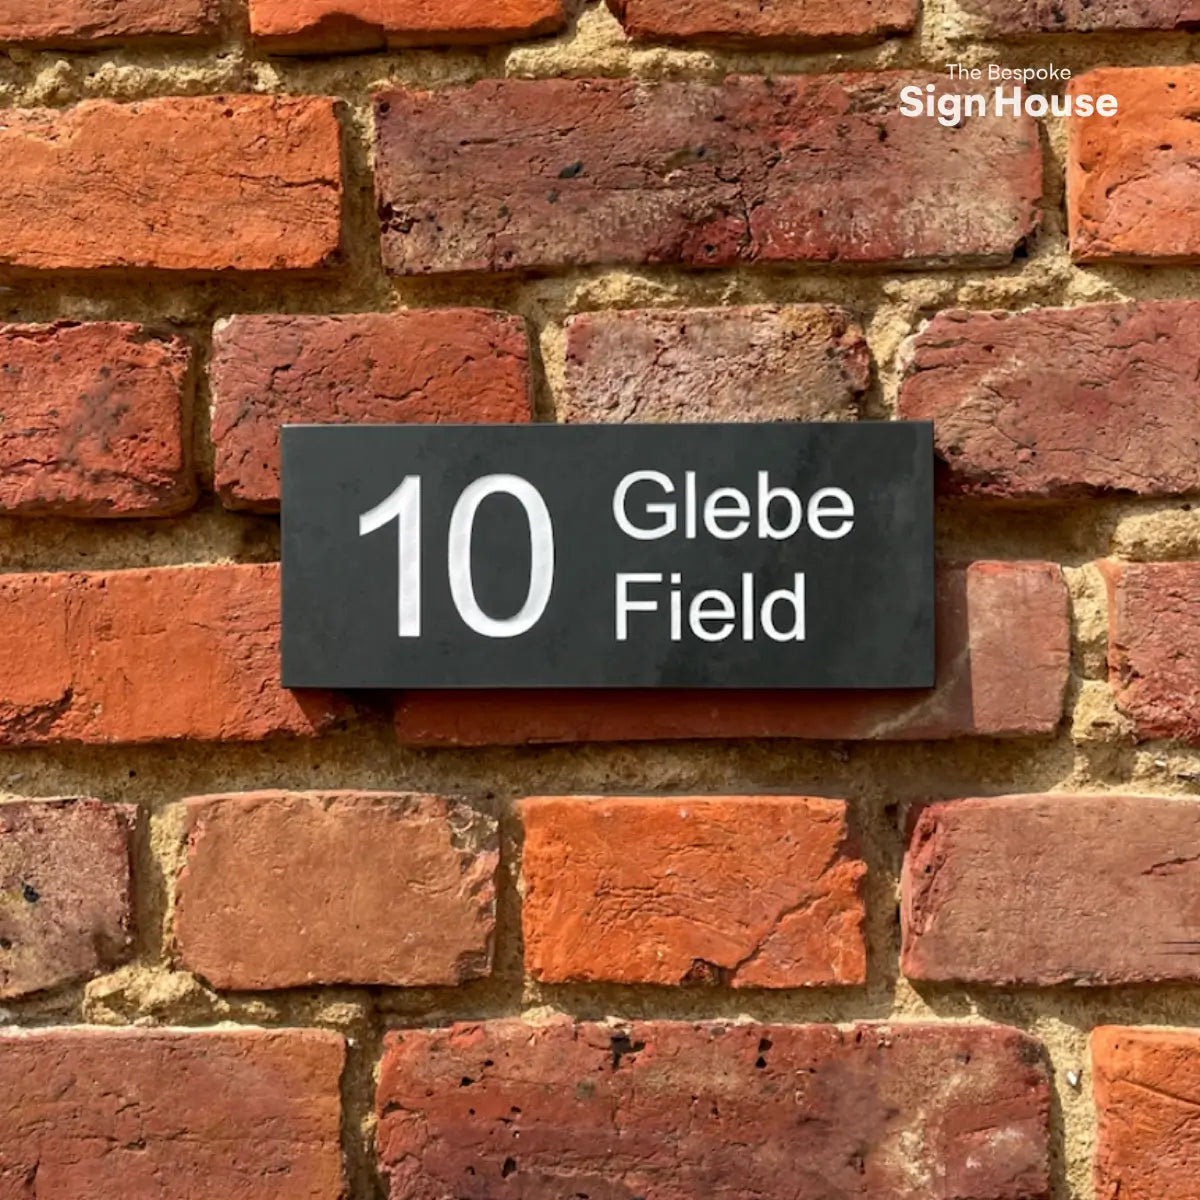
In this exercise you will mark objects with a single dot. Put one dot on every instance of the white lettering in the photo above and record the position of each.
(794, 598)
(670, 520)
(625, 605)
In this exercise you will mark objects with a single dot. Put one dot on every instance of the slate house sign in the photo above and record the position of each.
(695, 556)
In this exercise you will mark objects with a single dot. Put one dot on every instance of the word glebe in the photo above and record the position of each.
(647, 506)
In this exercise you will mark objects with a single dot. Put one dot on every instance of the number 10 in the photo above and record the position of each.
(404, 507)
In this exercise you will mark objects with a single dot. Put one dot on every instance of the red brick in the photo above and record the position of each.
(84, 23)
(422, 367)
(784, 23)
(1130, 188)
(1001, 17)
(95, 421)
(287, 890)
(505, 1109)
(801, 362)
(1154, 646)
(1146, 1084)
(1045, 890)
(1003, 655)
(1061, 402)
(341, 26)
(158, 1114)
(751, 891)
(65, 905)
(561, 172)
(146, 656)
(210, 183)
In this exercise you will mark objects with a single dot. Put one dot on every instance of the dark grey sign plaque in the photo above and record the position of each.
(695, 556)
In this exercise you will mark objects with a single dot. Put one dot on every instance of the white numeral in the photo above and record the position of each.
(404, 507)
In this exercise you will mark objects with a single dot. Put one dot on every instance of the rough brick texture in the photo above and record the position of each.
(1154, 646)
(1130, 186)
(85, 23)
(555, 172)
(161, 1114)
(1146, 1085)
(341, 26)
(986, 898)
(95, 421)
(65, 903)
(674, 1111)
(753, 891)
(1061, 402)
(144, 656)
(804, 362)
(349, 887)
(778, 23)
(186, 184)
(1003, 651)
(1081, 16)
(434, 367)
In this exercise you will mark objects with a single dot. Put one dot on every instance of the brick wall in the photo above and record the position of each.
(938, 946)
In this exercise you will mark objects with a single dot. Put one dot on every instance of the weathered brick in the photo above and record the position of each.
(558, 172)
(1130, 185)
(426, 367)
(753, 891)
(1146, 1085)
(1045, 890)
(1061, 402)
(287, 890)
(65, 904)
(157, 1114)
(342, 26)
(95, 421)
(145, 656)
(728, 1111)
(802, 362)
(1003, 656)
(1154, 646)
(83, 23)
(205, 183)
(784, 23)
(1003, 17)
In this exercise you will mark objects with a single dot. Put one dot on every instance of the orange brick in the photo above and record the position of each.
(145, 656)
(212, 183)
(753, 891)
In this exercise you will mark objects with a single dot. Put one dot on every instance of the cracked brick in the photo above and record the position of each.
(66, 909)
(347, 26)
(95, 421)
(1004, 18)
(802, 24)
(796, 362)
(1054, 403)
(508, 1109)
(1053, 889)
(114, 1113)
(752, 891)
(82, 24)
(1153, 640)
(144, 656)
(455, 366)
(1131, 179)
(1146, 1085)
(209, 183)
(537, 174)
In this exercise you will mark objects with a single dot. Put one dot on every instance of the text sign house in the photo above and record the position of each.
(696, 556)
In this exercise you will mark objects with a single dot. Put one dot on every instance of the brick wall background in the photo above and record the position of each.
(717, 945)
